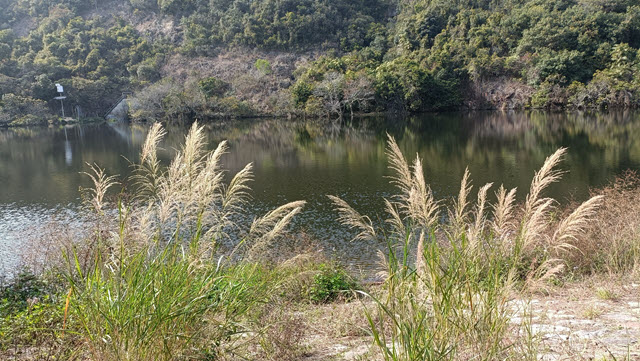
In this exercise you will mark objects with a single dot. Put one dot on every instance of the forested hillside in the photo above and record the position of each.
(207, 58)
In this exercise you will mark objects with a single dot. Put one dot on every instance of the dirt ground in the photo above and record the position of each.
(596, 319)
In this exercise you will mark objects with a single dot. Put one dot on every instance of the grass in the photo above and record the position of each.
(166, 273)
(612, 242)
(605, 294)
(153, 284)
(451, 300)
(592, 312)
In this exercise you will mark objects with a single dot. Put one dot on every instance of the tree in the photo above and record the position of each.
(330, 91)
(358, 93)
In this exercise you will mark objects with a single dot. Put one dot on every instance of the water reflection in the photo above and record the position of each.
(40, 167)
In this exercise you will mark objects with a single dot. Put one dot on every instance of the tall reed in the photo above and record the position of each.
(451, 301)
(153, 285)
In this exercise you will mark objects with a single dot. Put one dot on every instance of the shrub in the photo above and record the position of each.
(263, 66)
(16, 108)
(331, 283)
(213, 87)
(301, 91)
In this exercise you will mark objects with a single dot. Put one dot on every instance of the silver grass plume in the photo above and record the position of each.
(503, 211)
(101, 184)
(400, 173)
(544, 177)
(480, 218)
(458, 215)
(351, 218)
(575, 224)
(395, 220)
(423, 207)
(148, 173)
(265, 229)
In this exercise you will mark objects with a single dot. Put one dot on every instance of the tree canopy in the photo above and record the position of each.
(370, 54)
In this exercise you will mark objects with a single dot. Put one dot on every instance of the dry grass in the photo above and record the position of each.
(612, 240)
(149, 280)
(283, 334)
(451, 302)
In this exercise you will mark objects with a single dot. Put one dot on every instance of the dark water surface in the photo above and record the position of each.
(40, 167)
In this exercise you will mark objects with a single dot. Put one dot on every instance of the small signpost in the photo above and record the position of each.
(60, 97)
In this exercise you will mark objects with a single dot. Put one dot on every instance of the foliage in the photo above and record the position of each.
(281, 24)
(263, 66)
(330, 283)
(17, 109)
(424, 55)
(31, 313)
(212, 86)
(21, 291)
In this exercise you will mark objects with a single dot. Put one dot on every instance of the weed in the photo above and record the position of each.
(283, 335)
(331, 283)
(592, 312)
(605, 294)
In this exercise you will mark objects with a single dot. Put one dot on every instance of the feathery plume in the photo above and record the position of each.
(478, 226)
(265, 229)
(537, 277)
(536, 224)
(542, 179)
(237, 192)
(423, 208)
(269, 221)
(350, 217)
(193, 152)
(571, 227)
(150, 146)
(101, 183)
(395, 220)
(503, 211)
(401, 174)
(147, 175)
(458, 214)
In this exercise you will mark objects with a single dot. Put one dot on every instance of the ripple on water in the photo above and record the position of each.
(22, 224)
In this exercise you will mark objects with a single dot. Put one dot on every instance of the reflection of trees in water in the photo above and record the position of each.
(509, 146)
(42, 164)
(288, 144)
(610, 126)
(501, 143)
(495, 145)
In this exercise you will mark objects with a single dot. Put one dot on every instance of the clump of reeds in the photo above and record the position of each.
(152, 285)
(612, 242)
(452, 301)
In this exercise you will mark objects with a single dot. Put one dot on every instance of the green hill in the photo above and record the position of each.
(208, 58)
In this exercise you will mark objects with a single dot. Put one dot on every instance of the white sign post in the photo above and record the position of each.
(61, 97)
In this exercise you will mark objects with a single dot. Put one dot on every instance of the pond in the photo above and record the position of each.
(40, 168)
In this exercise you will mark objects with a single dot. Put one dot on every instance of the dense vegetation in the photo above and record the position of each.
(320, 57)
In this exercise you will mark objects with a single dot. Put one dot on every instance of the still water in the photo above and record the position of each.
(40, 168)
